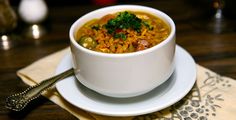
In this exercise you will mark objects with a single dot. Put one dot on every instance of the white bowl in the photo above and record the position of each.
(127, 74)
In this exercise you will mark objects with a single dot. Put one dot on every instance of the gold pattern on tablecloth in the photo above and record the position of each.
(196, 105)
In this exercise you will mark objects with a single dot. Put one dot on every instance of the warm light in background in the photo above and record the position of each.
(5, 44)
(35, 31)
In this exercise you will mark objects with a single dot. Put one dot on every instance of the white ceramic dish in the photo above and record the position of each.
(108, 73)
(174, 89)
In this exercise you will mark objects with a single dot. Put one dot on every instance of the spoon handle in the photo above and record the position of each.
(18, 101)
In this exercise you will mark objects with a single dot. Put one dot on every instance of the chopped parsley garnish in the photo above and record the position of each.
(124, 20)
(145, 23)
(120, 35)
(96, 27)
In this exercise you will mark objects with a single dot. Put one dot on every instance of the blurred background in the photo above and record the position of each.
(32, 29)
(24, 20)
(32, 19)
(229, 5)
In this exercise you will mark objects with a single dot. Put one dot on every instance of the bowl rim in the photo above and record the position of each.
(164, 16)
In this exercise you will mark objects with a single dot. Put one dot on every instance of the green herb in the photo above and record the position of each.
(120, 35)
(96, 27)
(145, 23)
(124, 20)
(87, 42)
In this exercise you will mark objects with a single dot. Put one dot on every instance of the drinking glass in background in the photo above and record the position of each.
(218, 23)
(220, 16)
(223, 19)
(8, 22)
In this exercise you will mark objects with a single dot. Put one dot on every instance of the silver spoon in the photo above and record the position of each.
(18, 101)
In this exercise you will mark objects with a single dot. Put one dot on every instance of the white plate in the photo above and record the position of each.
(170, 92)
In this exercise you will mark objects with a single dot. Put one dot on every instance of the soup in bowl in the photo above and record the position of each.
(122, 32)
(124, 50)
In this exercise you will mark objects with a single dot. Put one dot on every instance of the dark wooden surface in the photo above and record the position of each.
(216, 51)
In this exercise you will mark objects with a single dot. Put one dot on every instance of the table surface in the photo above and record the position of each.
(209, 47)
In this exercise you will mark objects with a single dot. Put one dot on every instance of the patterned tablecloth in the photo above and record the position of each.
(212, 97)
